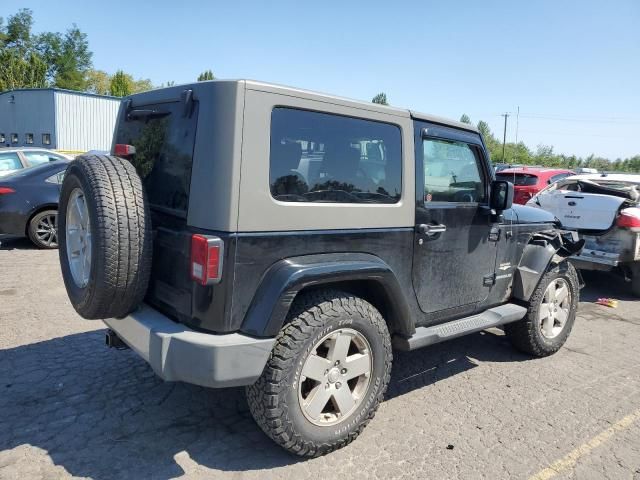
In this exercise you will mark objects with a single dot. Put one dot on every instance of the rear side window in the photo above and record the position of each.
(163, 139)
(320, 157)
(519, 179)
(9, 161)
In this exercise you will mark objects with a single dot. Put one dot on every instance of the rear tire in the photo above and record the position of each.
(543, 331)
(112, 278)
(306, 349)
(43, 229)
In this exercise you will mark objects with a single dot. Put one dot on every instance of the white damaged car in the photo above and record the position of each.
(605, 210)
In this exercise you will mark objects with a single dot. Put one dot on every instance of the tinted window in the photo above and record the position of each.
(46, 139)
(452, 172)
(9, 161)
(519, 179)
(28, 138)
(163, 152)
(319, 157)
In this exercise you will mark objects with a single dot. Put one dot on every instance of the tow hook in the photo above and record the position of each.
(114, 341)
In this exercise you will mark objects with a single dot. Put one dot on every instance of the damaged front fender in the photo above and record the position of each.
(544, 250)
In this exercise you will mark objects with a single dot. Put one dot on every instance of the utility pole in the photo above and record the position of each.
(517, 124)
(504, 137)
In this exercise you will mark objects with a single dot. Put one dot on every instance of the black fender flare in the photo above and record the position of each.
(286, 278)
(545, 249)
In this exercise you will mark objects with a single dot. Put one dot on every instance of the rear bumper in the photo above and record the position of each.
(595, 260)
(178, 353)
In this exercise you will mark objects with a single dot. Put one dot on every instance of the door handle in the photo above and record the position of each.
(430, 230)
(572, 204)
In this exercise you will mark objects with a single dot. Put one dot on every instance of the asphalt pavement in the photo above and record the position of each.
(471, 408)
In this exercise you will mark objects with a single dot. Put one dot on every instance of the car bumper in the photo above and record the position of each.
(178, 353)
(595, 260)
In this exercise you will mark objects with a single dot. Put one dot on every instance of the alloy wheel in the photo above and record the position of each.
(335, 377)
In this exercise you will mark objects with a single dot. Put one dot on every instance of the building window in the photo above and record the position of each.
(320, 157)
(28, 138)
(14, 138)
(46, 139)
(2, 138)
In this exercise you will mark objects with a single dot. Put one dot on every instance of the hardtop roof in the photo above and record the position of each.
(157, 95)
(402, 112)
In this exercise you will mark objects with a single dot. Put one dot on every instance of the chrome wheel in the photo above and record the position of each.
(554, 309)
(78, 241)
(335, 377)
(47, 230)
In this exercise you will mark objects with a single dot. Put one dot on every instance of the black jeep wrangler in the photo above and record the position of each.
(243, 233)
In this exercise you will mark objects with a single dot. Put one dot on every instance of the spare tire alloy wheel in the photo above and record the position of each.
(78, 238)
(43, 229)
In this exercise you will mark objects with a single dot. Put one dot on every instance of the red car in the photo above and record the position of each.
(528, 181)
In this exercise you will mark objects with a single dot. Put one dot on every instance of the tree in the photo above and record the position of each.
(206, 75)
(121, 84)
(74, 60)
(142, 85)
(17, 72)
(17, 35)
(465, 119)
(50, 58)
(98, 81)
(484, 129)
(380, 98)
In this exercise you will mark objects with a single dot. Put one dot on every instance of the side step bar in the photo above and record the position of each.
(493, 317)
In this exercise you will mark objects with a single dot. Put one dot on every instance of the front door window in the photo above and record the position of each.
(452, 173)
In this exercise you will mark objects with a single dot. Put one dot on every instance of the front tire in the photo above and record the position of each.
(551, 313)
(326, 376)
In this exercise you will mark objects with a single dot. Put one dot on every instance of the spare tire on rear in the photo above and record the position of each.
(104, 236)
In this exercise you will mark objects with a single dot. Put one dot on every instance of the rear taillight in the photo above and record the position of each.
(6, 190)
(123, 150)
(629, 218)
(206, 259)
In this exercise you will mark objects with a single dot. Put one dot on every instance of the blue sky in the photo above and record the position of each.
(573, 67)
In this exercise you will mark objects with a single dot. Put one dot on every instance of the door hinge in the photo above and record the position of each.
(494, 234)
(489, 280)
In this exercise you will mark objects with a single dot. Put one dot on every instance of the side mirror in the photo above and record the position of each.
(501, 197)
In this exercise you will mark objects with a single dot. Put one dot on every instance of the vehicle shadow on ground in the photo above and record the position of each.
(15, 243)
(102, 413)
(605, 284)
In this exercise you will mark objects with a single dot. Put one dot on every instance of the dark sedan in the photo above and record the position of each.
(29, 203)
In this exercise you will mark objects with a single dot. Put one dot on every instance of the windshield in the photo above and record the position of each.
(518, 179)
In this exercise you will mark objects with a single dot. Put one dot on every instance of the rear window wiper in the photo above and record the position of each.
(141, 113)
